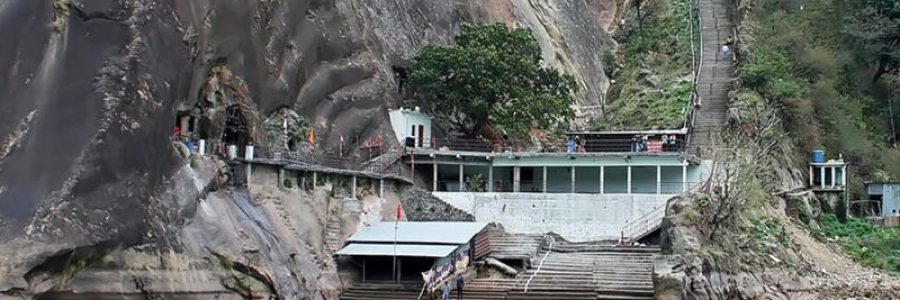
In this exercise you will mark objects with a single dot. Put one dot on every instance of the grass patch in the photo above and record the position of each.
(656, 66)
(869, 245)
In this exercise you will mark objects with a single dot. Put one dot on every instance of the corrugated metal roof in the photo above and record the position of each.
(408, 250)
(447, 233)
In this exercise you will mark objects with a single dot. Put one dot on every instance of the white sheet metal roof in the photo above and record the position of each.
(444, 233)
(409, 250)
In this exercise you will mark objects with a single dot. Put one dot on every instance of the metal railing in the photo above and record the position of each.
(652, 219)
(644, 224)
(697, 64)
(320, 159)
(541, 264)
(612, 186)
(615, 145)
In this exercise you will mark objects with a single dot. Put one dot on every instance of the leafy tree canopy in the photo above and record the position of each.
(876, 25)
(492, 75)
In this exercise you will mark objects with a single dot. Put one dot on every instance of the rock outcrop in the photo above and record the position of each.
(735, 265)
(90, 90)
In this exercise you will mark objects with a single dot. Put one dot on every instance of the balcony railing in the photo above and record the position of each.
(622, 145)
(350, 163)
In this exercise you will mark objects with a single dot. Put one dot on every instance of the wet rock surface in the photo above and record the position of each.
(86, 160)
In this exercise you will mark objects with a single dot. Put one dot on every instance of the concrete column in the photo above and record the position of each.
(280, 177)
(602, 177)
(572, 187)
(822, 178)
(490, 183)
(434, 176)
(517, 175)
(628, 181)
(353, 187)
(844, 178)
(315, 180)
(658, 179)
(833, 176)
(811, 175)
(249, 172)
(381, 188)
(461, 182)
(303, 182)
(544, 180)
(684, 182)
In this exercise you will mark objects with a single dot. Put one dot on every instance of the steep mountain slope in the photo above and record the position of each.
(89, 90)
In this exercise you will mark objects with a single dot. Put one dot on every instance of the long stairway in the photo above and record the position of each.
(716, 76)
(602, 273)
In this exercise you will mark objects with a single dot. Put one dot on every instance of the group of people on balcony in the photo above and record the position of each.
(575, 144)
(644, 143)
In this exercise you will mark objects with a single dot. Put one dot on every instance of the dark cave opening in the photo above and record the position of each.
(236, 128)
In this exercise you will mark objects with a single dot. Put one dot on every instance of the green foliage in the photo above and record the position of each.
(74, 267)
(288, 184)
(225, 262)
(195, 161)
(475, 183)
(830, 72)
(654, 84)
(770, 230)
(868, 245)
(285, 125)
(60, 15)
(493, 75)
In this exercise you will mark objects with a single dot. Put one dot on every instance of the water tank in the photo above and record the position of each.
(818, 156)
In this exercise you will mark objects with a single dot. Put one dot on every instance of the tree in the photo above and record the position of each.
(876, 27)
(492, 75)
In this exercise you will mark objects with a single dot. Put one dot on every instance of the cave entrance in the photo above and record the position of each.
(236, 128)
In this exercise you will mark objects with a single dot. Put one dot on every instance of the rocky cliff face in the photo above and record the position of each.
(90, 91)
(775, 259)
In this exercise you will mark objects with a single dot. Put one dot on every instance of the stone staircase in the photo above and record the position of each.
(607, 273)
(600, 273)
(514, 246)
(716, 77)
(333, 231)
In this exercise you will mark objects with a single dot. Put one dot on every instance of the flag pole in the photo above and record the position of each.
(396, 224)
(395, 251)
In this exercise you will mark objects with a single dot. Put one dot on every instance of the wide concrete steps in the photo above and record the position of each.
(515, 246)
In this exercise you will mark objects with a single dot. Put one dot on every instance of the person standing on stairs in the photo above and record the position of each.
(460, 283)
(730, 43)
(445, 291)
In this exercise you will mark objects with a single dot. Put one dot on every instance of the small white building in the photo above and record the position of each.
(411, 123)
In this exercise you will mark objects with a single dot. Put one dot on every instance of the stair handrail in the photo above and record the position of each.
(698, 67)
(629, 231)
(541, 264)
(642, 224)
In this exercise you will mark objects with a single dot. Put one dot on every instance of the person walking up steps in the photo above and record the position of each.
(730, 43)
(460, 283)
(725, 50)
